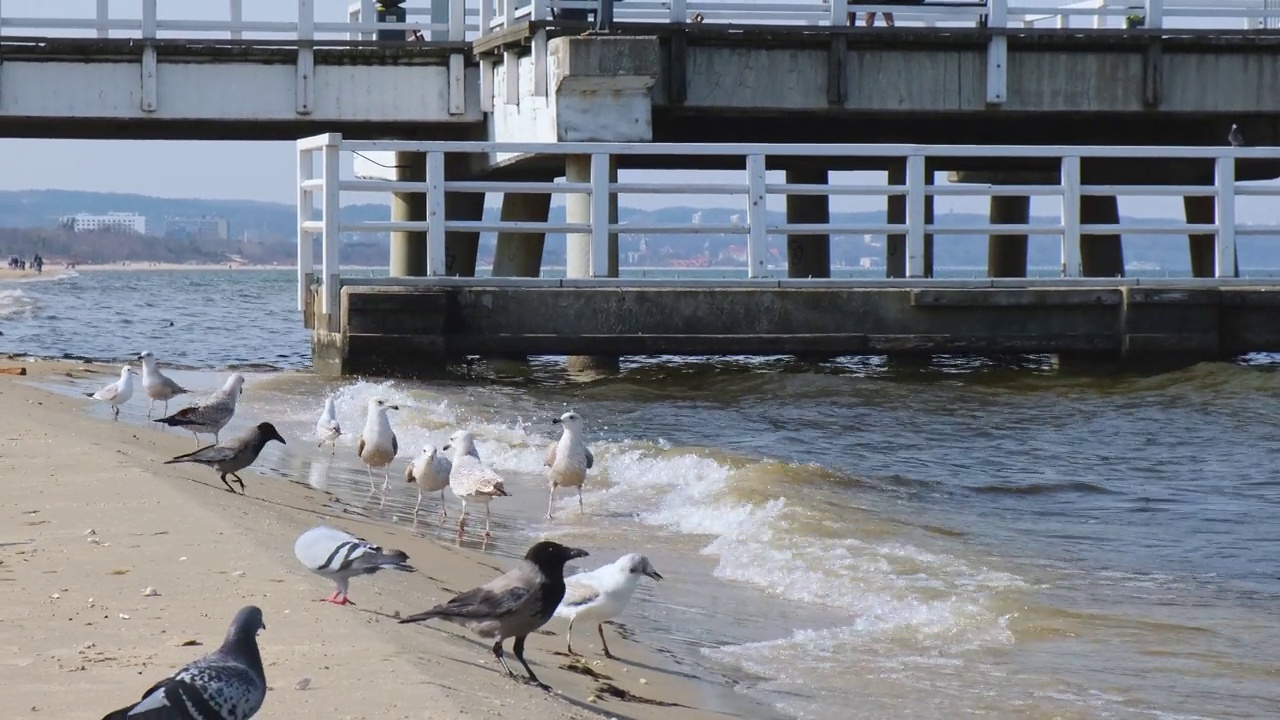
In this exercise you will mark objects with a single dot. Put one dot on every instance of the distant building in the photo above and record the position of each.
(197, 228)
(111, 222)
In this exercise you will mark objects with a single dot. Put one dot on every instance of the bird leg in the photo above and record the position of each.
(386, 478)
(372, 486)
(443, 514)
(116, 410)
(462, 522)
(224, 482)
(580, 500)
(604, 643)
(415, 507)
(517, 648)
(486, 522)
(239, 480)
(337, 598)
(150, 406)
(497, 652)
(551, 500)
(568, 637)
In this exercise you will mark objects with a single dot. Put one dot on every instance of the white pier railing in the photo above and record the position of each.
(323, 185)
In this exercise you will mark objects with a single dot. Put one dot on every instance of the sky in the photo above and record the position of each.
(266, 170)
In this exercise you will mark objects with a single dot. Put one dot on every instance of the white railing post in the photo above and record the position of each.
(839, 13)
(508, 13)
(304, 88)
(679, 11)
(148, 19)
(436, 219)
(916, 188)
(331, 235)
(457, 20)
(541, 10)
(757, 218)
(1154, 14)
(306, 256)
(1226, 215)
(998, 52)
(486, 17)
(368, 14)
(1070, 190)
(600, 215)
(237, 17)
(104, 14)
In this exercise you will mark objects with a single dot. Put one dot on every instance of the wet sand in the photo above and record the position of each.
(81, 638)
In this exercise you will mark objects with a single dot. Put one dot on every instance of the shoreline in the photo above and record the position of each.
(175, 529)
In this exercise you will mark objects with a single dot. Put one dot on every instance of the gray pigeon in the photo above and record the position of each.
(514, 604)
(236, 455)
(340, 556)
(1235, 137)
(226, 684)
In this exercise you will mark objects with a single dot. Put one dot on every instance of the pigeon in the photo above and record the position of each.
(470, 480)
(236, 455)
(603, 594)
(568, 459)
(156, 384)
(327, 427)
(226, 684)
(118, 392)
(340, 556)
(430, 472)
(514, 604)
(1235, 137)
(212, 414)
(378, 446)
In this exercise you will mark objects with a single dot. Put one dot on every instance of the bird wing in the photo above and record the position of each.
(209, 454)
(360, 447)
(551, 454)
(591, 459)
(109, 392)
(173, 387)
(169, 699)
(468, 477)
(395, 445)
(479, 603)
(579, 593)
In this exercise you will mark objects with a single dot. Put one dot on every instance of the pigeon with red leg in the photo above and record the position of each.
(340, 556)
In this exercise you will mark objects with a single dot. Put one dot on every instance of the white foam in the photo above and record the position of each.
(16, 304)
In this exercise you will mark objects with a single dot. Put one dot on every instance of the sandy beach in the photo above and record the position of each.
(140, 266)
(91, 518)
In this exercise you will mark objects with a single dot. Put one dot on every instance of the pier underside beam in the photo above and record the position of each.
(462, 247)
(578, 249)
(896, 243)
(1101, 255)
(808, 256)
(520, 254)
(409, 249)
(1202, 246)
(1007, 254)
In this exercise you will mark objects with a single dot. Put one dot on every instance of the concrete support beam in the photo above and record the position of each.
(578, 249)
(409, 249)
(808, 256)
(1202, 246)
(520, 254)
(896, 244)
(1101, 255)
(1007, 254)
(461, 248)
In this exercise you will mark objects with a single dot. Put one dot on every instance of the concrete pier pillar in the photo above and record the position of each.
(578, 250)
(409, 249)
(808, 256)
(1007, 254)
(896, 244)
(1204, 254)
(520, 254)
(1100, 255)
(460, 247)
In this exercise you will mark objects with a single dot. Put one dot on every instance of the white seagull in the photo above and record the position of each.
(568, 459)
(327, 427)
(378, 445)
(471, 480)
(118, 392)
(430, 472)
(602, 594)
(156, 384)
(340, 556)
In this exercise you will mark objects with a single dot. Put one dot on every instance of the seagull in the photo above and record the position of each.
(327, 427)
(378, 446)
(512, 605)
(118, 392)
(603, 594)
(227, 684)
(235, 456)
(156, 384)
(340, 556)
(568, 459)
(470, 480)
(1235, 137)
(430, 472)
(212, 414)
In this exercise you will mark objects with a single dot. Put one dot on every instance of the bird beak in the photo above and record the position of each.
(577, 553)
(555, 421)
(446, 448)
(393, 407)
(654, 574)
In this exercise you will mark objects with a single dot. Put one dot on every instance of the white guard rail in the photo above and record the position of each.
(322, 157)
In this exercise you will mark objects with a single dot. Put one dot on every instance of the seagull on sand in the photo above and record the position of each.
(603, 594)
(210, 415)
(470, 480)
(378, 446)
(340, 556)
(512, 605)
(1235, 137)
(156, 384)
(227, 684)
(236, 455)
(568, 459)
(118, 392)
(430, 472)
(327, 427)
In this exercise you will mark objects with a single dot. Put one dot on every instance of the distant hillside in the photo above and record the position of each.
(265, 232)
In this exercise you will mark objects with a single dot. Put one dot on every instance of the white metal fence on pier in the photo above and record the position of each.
(322, 185)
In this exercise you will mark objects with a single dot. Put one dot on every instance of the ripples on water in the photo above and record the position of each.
(974, 538)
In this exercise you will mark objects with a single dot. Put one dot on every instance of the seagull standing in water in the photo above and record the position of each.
(378, 446)
(603, 594)
(210, 415)
(568, 459)
(156, 384)
(471, 480)
(430, 472)
(118, 392)
(327, 427)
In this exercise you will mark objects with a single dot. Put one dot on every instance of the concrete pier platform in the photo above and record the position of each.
(417, 326)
